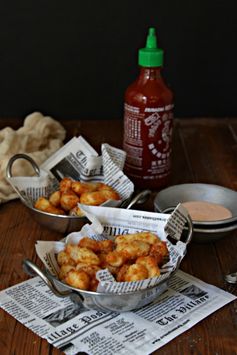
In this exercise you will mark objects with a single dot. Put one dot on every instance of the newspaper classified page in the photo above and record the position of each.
(72, 328)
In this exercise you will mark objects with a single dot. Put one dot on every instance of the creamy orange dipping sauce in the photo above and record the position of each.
(206, 211)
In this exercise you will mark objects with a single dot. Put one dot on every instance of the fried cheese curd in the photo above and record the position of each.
(130, 257)
(70, 193)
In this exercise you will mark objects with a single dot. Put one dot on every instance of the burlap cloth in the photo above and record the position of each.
(39, 138)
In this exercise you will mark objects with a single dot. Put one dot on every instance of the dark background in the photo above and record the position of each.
(74, 59)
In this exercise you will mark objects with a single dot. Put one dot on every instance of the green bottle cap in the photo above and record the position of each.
(151, 55)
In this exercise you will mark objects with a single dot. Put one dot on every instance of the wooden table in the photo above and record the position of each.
(204, 150)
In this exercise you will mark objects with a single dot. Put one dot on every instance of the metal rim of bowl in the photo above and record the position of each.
(127, 204)
(216, 230)
(95, 293)
(207, 228)
(207, 235)
(61, 216)
(196, 223)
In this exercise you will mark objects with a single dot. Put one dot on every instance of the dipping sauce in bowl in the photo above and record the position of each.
(206, 211)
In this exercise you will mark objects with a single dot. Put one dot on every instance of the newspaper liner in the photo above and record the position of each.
(79, 161)
(108, 222)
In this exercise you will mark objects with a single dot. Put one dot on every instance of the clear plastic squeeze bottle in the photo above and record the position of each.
(148, 121)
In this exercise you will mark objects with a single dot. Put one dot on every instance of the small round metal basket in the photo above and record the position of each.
(61, 223)
(118, 302)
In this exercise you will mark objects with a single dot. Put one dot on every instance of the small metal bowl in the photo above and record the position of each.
(107, 301)
(204, 231)
(62, 223)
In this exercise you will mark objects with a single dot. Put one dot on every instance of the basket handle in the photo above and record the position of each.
(140, 198)
(9, 173)
(32, 269)
(21, 156)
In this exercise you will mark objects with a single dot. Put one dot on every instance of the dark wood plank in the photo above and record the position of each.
(211, 151)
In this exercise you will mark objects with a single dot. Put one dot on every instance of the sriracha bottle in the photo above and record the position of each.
(148, 121)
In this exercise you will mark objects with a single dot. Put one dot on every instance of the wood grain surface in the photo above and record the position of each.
(204, 150)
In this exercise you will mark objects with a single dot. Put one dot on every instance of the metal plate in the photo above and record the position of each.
(208, 235)
(172, 196)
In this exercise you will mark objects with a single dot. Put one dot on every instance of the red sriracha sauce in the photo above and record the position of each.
(148, 121)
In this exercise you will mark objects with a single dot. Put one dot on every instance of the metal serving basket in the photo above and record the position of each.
(61, 223)
(118, 302)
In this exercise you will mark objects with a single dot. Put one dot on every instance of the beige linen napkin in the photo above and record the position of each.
(39, 138)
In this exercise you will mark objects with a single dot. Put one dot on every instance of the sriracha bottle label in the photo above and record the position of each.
(147, 141)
